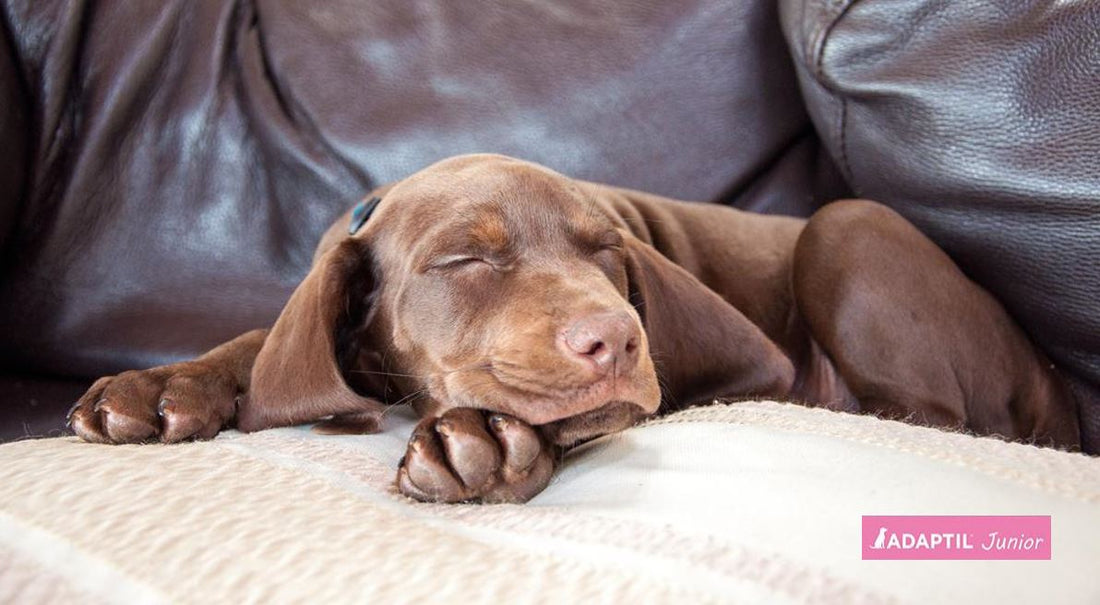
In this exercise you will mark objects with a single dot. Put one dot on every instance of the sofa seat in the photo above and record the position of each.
(742, 502)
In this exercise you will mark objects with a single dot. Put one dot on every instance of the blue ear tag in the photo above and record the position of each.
(361, 213)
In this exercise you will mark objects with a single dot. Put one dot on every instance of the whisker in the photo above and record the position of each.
(415, 393)
(394, 406)
(386, 373)
(480, 366)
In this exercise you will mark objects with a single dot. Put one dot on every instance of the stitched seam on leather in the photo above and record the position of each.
(820, 38)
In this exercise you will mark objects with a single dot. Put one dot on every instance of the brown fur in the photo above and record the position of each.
(494, 295)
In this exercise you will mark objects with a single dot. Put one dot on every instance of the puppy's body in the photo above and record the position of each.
(521, 311)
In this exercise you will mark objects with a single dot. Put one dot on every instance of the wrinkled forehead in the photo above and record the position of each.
(493, 203)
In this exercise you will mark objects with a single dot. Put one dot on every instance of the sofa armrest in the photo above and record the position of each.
(980, 122)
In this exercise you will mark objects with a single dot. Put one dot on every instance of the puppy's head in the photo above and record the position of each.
(504, 287)
(492, 283)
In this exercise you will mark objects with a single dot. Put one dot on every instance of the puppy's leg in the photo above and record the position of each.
(913, 337)
(192, 399)
(468, 454)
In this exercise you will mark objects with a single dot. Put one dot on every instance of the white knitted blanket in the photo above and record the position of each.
(748, 502)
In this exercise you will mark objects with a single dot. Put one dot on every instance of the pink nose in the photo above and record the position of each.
(603, 341)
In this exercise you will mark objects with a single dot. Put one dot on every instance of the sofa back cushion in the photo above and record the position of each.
(187, 156)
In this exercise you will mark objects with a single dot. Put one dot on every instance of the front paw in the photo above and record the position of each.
(190, 400)
(467, 454)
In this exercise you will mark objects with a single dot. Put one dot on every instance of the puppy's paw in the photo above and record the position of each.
(468, 454)
(190, 400)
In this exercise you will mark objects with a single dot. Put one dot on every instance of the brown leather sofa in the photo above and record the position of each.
(170, 165)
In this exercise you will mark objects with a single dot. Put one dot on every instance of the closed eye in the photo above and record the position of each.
(461, 262)
(612, 242)
(607, 253)
(457, 262)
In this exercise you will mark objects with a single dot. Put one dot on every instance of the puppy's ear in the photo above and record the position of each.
(701, 345)
(297, 376)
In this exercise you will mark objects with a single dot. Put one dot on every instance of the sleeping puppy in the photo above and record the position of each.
(520, 312)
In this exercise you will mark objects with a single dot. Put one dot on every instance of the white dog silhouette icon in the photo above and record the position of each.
(880, 540)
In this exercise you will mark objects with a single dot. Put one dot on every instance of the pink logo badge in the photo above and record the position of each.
(956, 537)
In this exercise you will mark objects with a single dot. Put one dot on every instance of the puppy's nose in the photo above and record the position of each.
(603, 340)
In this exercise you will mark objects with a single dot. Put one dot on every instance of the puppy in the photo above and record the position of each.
(520, 312)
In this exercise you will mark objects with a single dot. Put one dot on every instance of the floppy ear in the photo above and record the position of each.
(701, 345)
(297, 377)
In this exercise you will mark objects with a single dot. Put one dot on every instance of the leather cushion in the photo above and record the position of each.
(980, 122)
(187, 156)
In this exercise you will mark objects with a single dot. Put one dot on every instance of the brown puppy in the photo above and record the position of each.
(521, 311)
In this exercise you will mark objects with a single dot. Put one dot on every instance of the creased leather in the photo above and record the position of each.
(14, 136)
(980, 122)
(186, 156)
